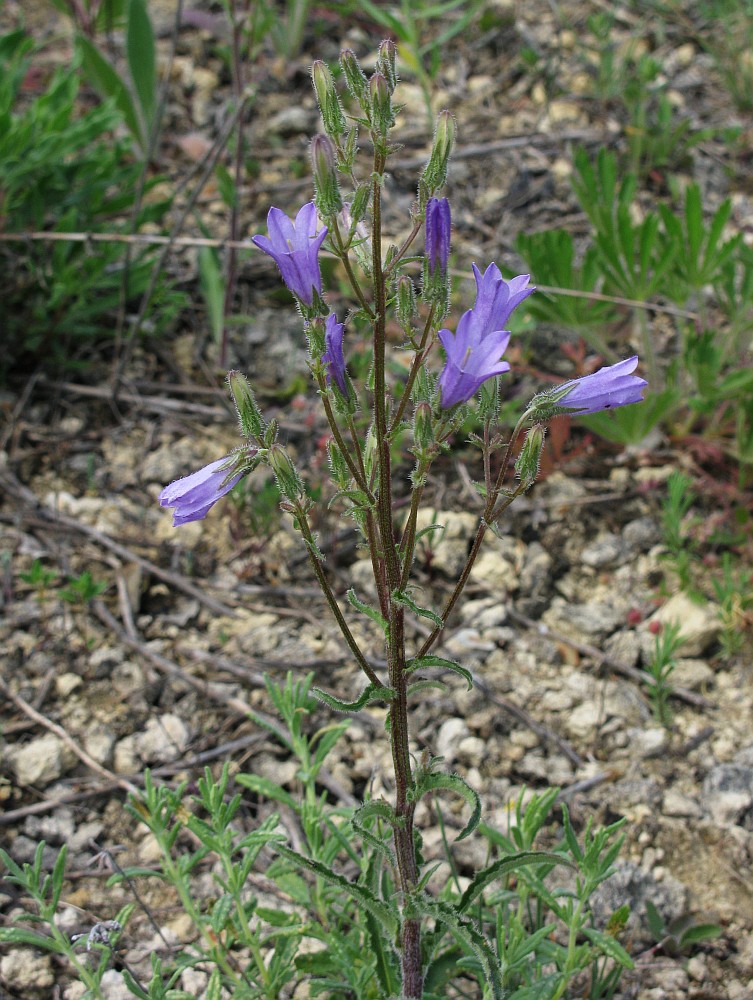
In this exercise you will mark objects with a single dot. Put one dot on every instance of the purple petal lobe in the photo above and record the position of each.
(294, 247)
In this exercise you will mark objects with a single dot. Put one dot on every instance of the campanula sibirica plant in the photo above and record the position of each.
(406, 939)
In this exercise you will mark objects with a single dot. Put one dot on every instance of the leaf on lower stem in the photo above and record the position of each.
(400, 597)
(428, 781)
(422, 662)
(371, 693)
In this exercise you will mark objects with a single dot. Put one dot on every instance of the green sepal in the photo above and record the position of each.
(422, 662)
(401, 597)
(370, 612)
(360, 893)
(505, 865)
(430, 781)
(371, 693)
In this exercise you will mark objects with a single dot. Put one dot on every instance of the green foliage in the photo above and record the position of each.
(680, 498)
(62, 169)
(659, 672)
(734, 592)
(82, 589)
(679, 935)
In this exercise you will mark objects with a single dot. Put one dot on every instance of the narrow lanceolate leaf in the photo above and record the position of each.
(142, 60)
(609, 946)
(360, 893)
(380, 810)
(503, 867)
(107, 81)
(423, 662)
(467, 936)
(367, 610)
(432, 782)
(371, 693)
(402, 598)
(20, 935)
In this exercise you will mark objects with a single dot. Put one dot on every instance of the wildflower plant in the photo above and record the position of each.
(418, 940)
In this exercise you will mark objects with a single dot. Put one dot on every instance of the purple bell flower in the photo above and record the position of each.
(333, 355)
(193, 496)
(496, 299)
(294, 247)
(474, 352)
(470, 361)
(438, 231)
(613, 385)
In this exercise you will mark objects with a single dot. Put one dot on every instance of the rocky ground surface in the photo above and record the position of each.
(560, 617)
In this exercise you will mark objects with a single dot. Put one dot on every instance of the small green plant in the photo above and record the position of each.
(660, 669)
(36, 927)
(39, 577)
(680, 550)
(678, 936)
(734, 592)
(82, 589)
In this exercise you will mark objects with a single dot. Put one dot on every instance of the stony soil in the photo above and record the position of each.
(560, 614)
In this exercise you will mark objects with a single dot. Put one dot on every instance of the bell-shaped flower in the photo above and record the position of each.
(294, 247)
(496, 299)
(613, 385)
(333, 356)
(470, 361)
(192, 496)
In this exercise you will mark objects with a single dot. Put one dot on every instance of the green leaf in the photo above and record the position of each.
(423, 662)
(466, 934)
(429, 781)
(371, 693)
(367, 610)
(142, 60)
(267, 788)
(401, 597)
(425, 685)
(609, 946)
(699, 932)
(503, 867)
(213, 291)
(20, 935)
(107, 81)
(655, 921)
(360, 893)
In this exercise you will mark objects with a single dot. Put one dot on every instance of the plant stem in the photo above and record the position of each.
(410, 944)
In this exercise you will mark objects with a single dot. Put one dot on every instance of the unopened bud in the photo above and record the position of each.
(249, 415)
(315, 335)
(288, 480)
(387, 62)
(381, 104)
(529, 459)
(435, 172)
(326, 184)
(357, 83)
(406, 302)
(327, 99)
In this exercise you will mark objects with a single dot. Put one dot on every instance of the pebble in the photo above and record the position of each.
(632, 885)
(728, 793)
(113, 986)
(699, 624)
(607, 550)
(451, 732)
(39, 762)
(23, 969)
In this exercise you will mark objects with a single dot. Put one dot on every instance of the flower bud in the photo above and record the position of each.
(327, 99)
(435, 171)
(382, 117)
(529, 459)
(406, 302)
(249, 415)
(436, 287)
(288, 480)
(387, 62)
(357, 83)
(326, 184)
